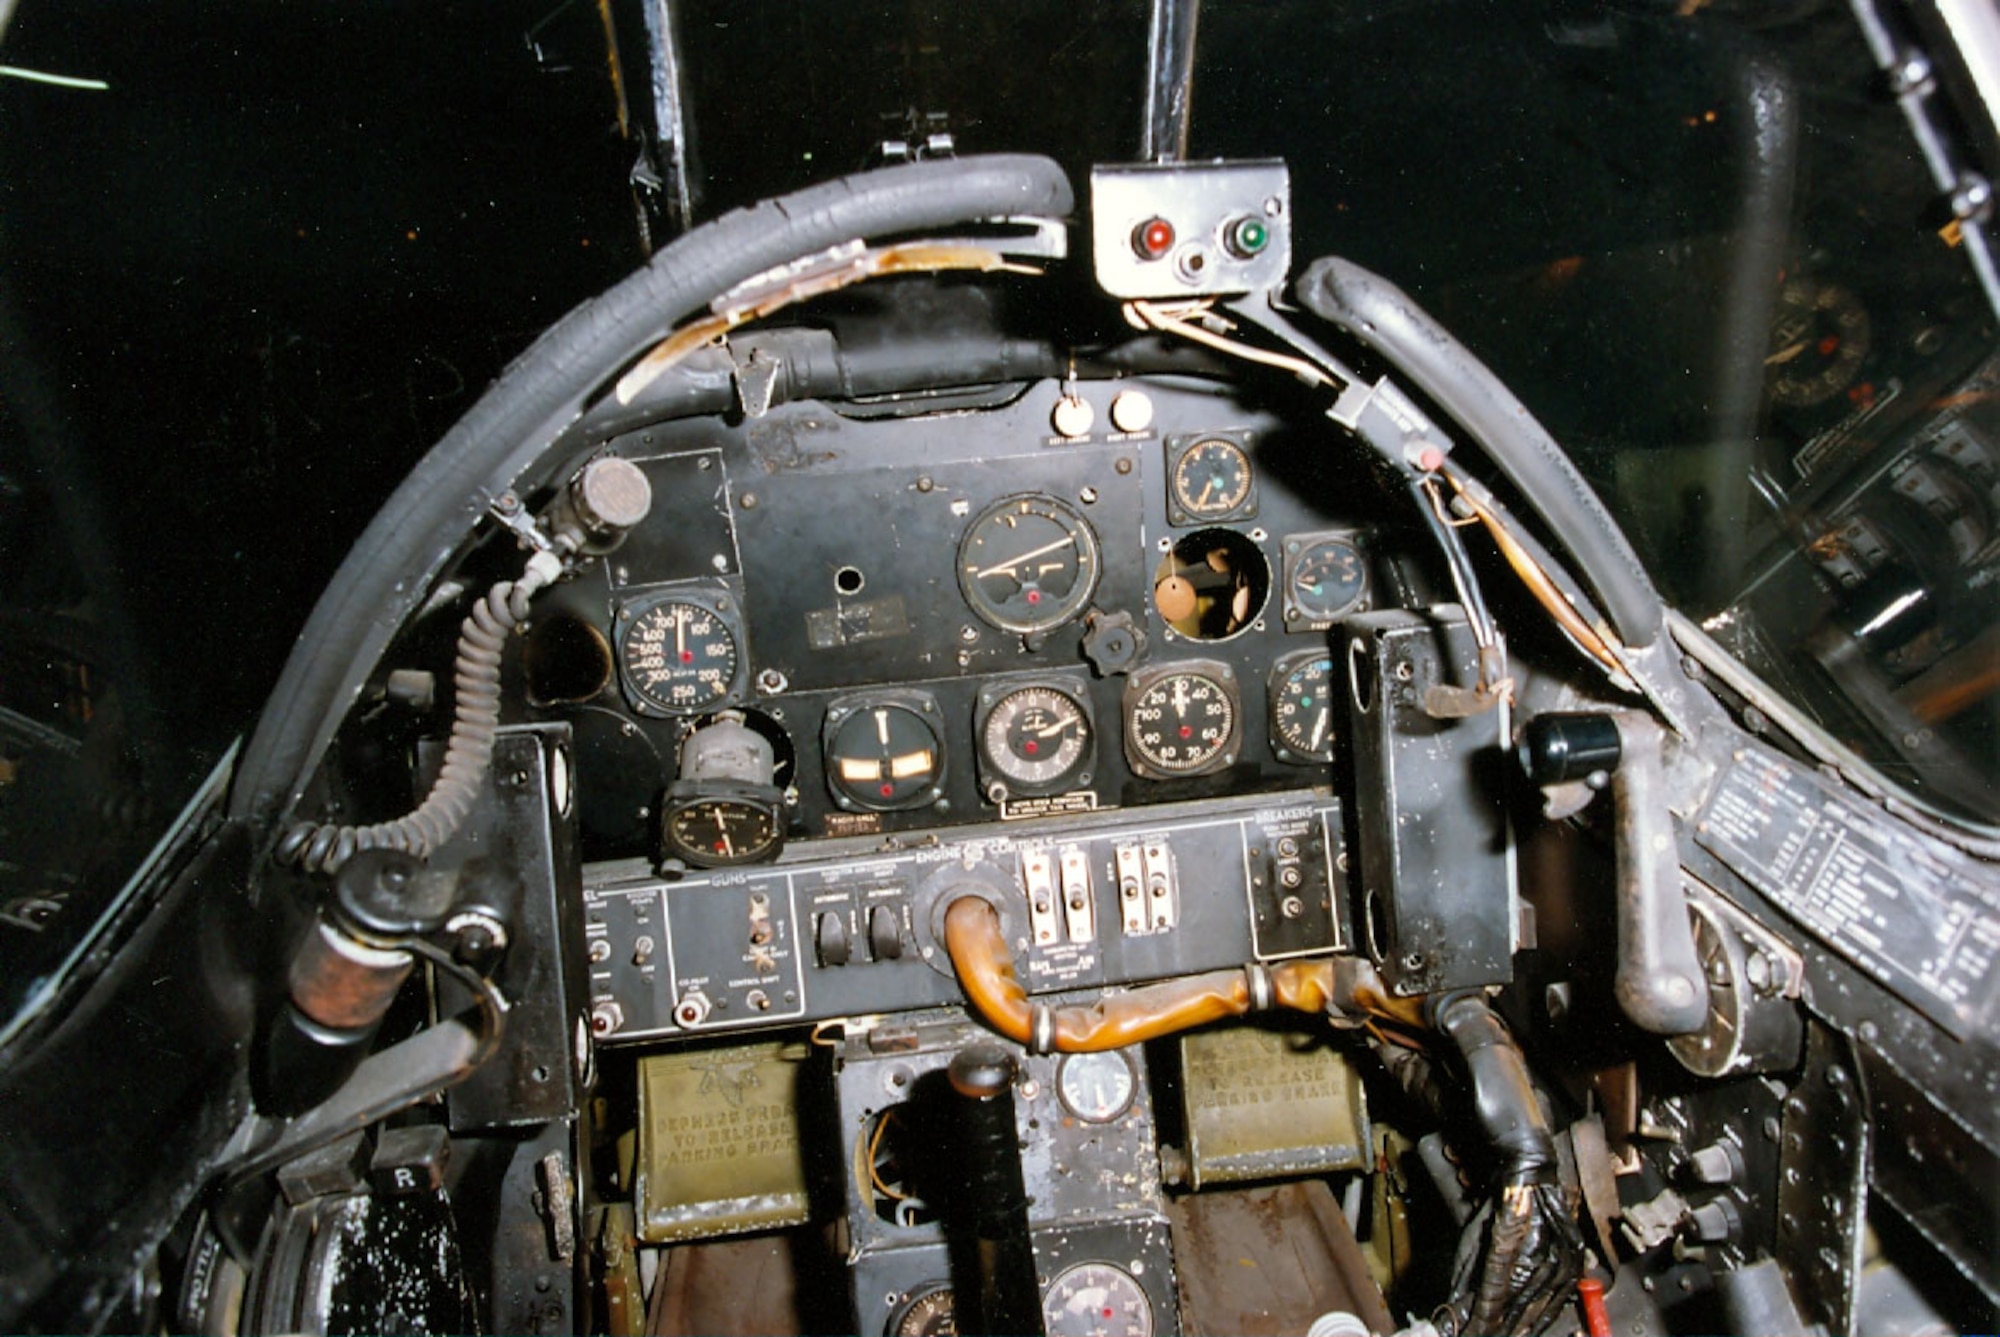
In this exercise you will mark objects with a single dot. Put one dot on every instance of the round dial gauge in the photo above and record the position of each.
(1182, 721)
(677, 655)
(1097, 1300)
(1036, 740)
(1302, 707)
(883, 753)
(1096, 1088)
(1028, 564)
(927, 1313)
(1819, 338)
(1324, 579)
(718, 832)
(1211, 480)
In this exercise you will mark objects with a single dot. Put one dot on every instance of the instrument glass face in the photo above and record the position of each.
(1036, 739)
(677, 656)
(1028, 564)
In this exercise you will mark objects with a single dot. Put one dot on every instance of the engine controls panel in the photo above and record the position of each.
(858, 926)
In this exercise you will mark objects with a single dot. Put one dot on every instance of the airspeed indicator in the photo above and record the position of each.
(678, 655)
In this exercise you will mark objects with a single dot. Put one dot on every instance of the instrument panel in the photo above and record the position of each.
(997, 611)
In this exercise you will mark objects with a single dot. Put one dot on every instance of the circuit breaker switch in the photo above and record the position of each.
(1131, 890)
(1079, 914)
(1038, 876)
(1162, 895)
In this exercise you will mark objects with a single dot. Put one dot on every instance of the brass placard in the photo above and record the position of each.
(719, 1142)
(1265, 1104)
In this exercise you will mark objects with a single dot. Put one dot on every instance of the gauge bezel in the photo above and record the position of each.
(719, 604)
(1003, 613)
(996, 782)
(1284, 748)
(1051, 1311)
(1142, 760)
(1298, 548)
(923, 708)
(1069, 1064)
(913, 1300)
(772, 811)
(1185, 509)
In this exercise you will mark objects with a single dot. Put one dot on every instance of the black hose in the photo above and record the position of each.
(482, 638)
(523, 423)
(1523, 1251)
(1380, 315)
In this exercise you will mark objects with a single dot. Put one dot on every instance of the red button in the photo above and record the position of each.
(1153, 238)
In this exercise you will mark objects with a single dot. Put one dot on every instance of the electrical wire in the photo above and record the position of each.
(1171, 320)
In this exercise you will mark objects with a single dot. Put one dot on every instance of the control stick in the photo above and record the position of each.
(996, 1202)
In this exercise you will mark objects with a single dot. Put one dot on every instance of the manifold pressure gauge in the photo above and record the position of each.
(1034, 739)
(1301, 694)
(725, 808)
(1182, 719)
(679, 653)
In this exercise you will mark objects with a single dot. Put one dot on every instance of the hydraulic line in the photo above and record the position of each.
(985, 967)
(323, 847)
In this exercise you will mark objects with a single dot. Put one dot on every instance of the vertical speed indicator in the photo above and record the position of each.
(679, 654)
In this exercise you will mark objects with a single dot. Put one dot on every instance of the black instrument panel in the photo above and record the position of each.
(940, 618)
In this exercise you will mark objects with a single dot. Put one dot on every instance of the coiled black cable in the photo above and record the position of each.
(322, 847)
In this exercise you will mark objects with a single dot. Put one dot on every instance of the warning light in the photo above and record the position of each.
(1247, 237)
(1152, 239)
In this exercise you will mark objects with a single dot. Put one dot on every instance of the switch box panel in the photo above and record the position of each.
(1437, 900)
(1089, 1163)
(1087, 902)
(1164, 231)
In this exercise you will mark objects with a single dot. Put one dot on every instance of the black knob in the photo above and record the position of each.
(1559, 746)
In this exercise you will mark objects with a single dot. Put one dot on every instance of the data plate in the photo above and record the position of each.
(1908, 912)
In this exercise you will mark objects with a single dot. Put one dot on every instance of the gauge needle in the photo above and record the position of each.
(1180, 696)
(1784, 355)
(1052, 730)
(1319, 732)
(681, 634)
(1207, 490)
(1008, 566)
(882, 726)
(728, 846)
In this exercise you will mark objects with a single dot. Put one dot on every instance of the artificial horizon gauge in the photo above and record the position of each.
(1326, 578)
(1028, 563)
(1035, 739)
(1819, 339)
(1209, 479)
(679, 653)
(883, 751)
(1096, 1087)
(1182, 719)
(1301, 697)
(1097, 1300)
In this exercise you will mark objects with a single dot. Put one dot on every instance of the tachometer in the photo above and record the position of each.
(678, 653)
(1182, 719)
(1028, 564)
(1035, 739)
